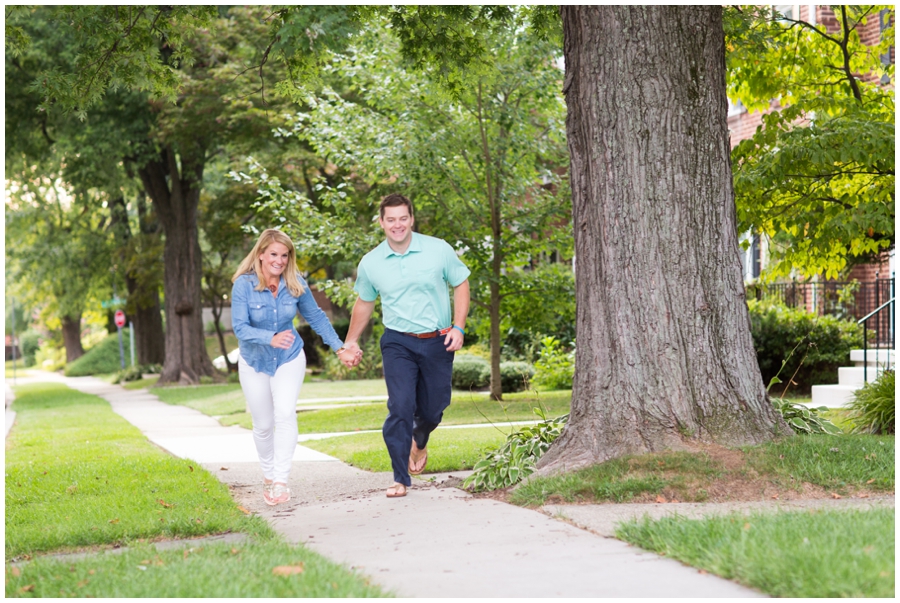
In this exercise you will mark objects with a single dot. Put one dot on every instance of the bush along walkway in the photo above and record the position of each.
(80, 478)
(435, 542)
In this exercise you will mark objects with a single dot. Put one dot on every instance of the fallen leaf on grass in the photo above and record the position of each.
(235, 551)
(774, 497)
(871, 481)
(747, 527)
(92, 572)
(27, 588)
(863, 495)
(82, 584)
(244, 510)
(191, 468)
(116, 520)
(165, 504)
(288, 570)
(15, 571)
(660, 498)
(835, 495)
(145, 562)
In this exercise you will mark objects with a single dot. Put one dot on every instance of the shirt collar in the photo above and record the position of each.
(415, 244)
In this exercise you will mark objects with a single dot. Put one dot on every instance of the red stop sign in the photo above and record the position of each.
(120, 318)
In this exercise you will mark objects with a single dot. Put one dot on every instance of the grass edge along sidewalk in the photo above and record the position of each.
(79, 477)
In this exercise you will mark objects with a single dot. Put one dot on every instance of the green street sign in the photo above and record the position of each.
(112, 303)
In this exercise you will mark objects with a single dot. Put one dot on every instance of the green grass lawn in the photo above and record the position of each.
(78, 474)
(788, 554)
(79, 477)
(448, 449)
(222, 570)
(841, 464)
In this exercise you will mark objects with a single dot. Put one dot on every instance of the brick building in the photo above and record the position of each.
(743, 124)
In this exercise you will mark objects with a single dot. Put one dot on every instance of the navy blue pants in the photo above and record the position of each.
(417, 373)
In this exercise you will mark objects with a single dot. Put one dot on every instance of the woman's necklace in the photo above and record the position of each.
(273, 289)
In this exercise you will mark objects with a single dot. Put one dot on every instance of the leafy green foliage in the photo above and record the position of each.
(516, 459)
(824, 344)
(468, 160)
(101, 359)
(555, 369)
(818, 177)
(136, 373)
(872, 409)
(805, 420)
(30, 342)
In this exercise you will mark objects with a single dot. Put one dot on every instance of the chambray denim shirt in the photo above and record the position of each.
(256, 316)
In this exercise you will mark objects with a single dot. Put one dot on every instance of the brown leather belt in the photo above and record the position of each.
(429, 335)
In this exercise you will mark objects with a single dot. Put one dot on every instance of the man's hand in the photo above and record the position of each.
(283, 340)
(351, 355)
(453, 340)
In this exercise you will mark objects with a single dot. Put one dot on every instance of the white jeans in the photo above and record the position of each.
(273, 405)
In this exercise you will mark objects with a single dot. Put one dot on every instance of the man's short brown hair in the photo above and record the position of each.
(395, 200)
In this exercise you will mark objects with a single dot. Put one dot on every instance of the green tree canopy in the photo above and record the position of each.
(818, 177)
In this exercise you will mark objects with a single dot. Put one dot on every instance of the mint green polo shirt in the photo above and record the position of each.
(412, 286)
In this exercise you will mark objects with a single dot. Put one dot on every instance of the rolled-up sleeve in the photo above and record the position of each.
(317, 319)
(240, 316)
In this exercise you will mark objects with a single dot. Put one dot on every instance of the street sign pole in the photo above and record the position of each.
(120, 322)
(131, 339)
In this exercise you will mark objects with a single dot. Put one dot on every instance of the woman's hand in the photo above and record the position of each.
(283, 340)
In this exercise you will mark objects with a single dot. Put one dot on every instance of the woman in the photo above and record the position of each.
(268, 291)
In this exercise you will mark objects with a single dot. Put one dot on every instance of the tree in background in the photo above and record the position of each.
(818, 177)
(481, 165)
(203, 68)
(57, 254)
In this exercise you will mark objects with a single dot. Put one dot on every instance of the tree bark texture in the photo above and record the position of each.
(176, 194)
(71, 332)
(664, 351)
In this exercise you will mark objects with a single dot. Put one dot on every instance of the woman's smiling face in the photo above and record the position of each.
(274, 259)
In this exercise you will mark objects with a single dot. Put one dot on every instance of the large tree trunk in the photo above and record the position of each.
(144, 309)
(176, 199)
(665, 355)
(71, 332)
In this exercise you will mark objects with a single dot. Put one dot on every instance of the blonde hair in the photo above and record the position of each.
(253, 262)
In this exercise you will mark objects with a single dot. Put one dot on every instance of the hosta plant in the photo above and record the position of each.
(803, 419)
(515, 460)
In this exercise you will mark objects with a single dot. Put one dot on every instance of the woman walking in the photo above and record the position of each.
(268, 292)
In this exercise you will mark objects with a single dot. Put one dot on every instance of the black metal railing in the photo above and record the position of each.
(884, 313)
(851, 300)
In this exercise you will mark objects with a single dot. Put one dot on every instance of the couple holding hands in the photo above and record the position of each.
(410, 272)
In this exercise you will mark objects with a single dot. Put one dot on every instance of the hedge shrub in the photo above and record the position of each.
(470, 372)
(515, 376)
(825, 342)
(101, 359)
(30, 342)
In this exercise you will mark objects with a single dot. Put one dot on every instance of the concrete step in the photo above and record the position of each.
(857, 375)
(874, 356)
(832, 396)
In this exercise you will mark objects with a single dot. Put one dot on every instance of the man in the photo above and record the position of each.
(410, 272)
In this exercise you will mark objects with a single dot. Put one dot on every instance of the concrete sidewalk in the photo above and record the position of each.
(435, 542)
